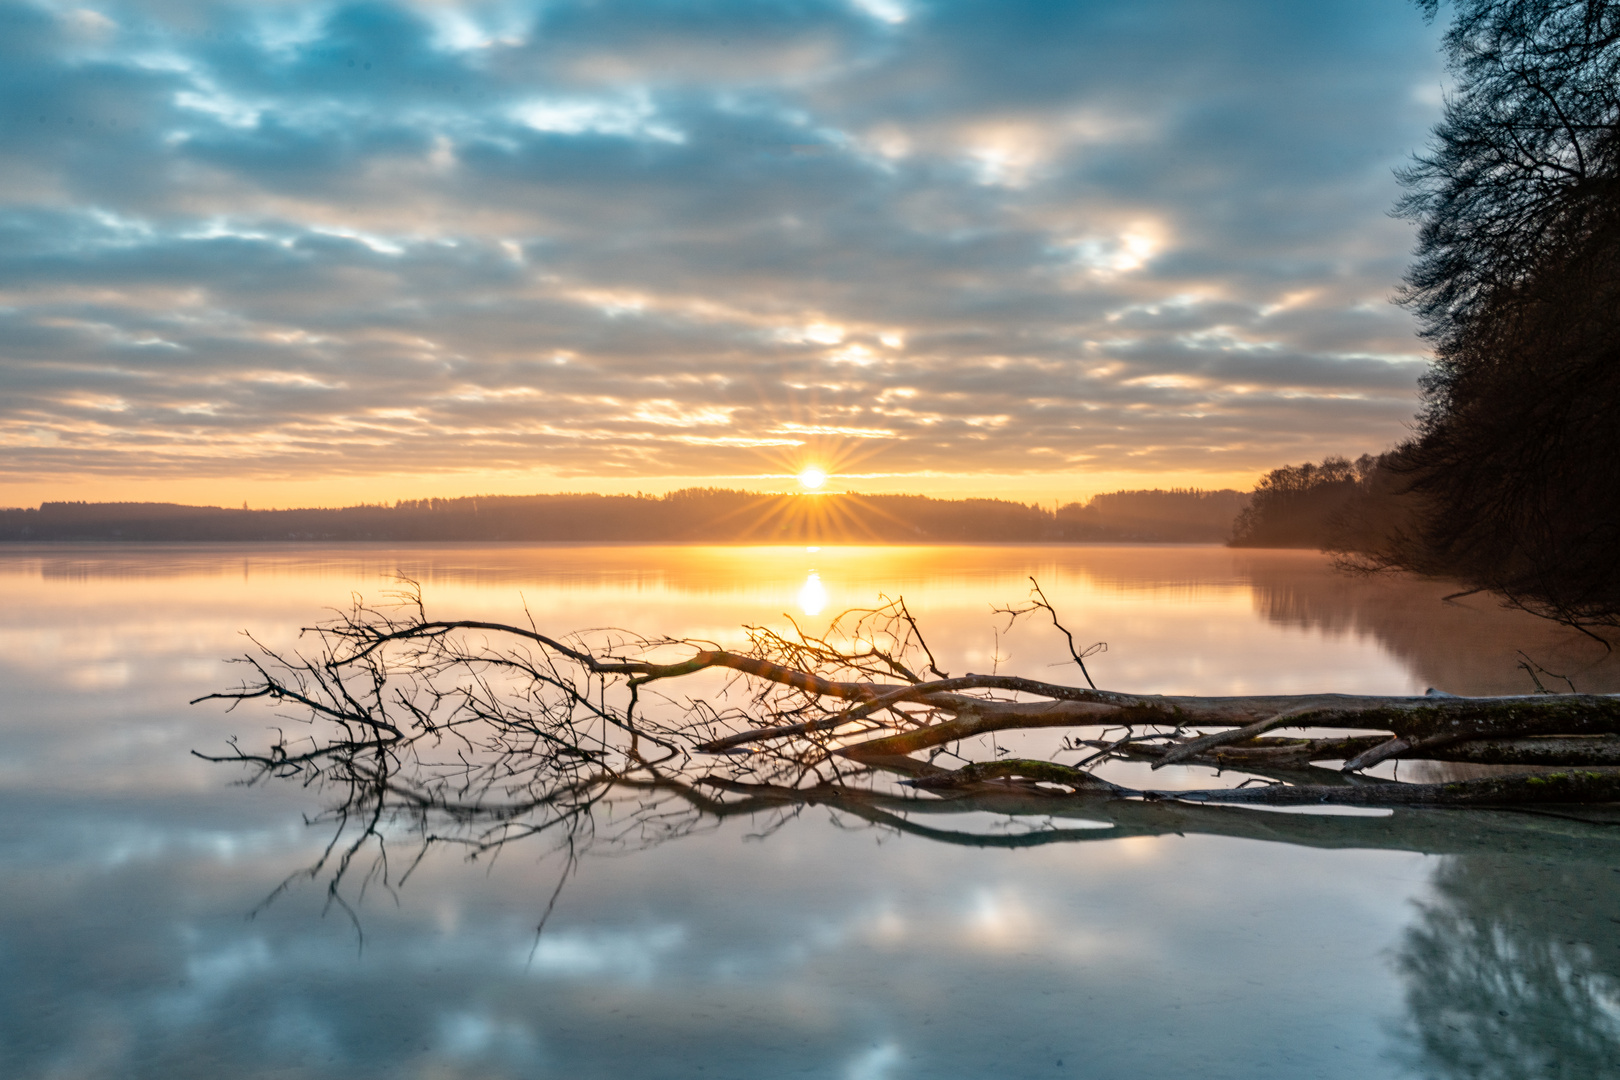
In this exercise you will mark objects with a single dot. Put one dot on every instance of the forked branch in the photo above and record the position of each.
(450, 716)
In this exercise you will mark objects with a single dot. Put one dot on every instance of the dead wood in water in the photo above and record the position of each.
(447, 715)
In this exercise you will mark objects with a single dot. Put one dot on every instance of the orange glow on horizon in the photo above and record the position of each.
(263, 493)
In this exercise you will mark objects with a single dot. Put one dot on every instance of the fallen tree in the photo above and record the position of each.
(479, 733)
(508, 700)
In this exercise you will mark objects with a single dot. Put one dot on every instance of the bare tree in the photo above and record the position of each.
(1515, 470)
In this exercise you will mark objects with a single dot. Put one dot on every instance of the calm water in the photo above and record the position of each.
(135, 940)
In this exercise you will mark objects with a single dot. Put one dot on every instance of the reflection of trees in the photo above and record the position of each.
(1410, 618)
(1513, 970)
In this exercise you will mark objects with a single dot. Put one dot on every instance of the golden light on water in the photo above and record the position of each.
(812, 595)
(1190, 619)
(812, 478)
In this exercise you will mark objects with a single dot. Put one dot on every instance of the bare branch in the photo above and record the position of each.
(477, 734)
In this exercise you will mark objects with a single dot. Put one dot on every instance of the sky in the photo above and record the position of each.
(302, 254)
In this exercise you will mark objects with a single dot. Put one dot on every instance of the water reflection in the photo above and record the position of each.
(812, 938)
(1372, 634)
(1513, 970)
(813, 595)
(1467, 646)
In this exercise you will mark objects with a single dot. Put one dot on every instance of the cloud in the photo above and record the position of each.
(650, 239)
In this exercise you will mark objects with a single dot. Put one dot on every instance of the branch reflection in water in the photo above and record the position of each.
(1238, 944)
(1501, 980)
(1252, 944)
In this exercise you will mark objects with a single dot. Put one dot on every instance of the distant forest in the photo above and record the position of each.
(1338, 505)
(710, 515)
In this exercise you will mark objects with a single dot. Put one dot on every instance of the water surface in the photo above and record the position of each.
(136, 941)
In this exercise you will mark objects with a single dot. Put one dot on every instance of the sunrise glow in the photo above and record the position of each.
(464, 325)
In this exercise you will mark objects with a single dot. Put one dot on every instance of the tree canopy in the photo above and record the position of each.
(1516, 462)
(1522, 171)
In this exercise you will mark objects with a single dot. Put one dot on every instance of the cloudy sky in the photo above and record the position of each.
(320, 253)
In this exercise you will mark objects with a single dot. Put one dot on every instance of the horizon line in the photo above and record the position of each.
(1039, 504)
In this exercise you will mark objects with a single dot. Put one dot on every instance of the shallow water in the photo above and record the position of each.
(136, 941)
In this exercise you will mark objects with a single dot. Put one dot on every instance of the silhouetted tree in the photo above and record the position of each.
(1188, 515)
(1300, 505)
(1516, 463)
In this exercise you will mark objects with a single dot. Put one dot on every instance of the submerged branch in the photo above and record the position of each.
(480, 733)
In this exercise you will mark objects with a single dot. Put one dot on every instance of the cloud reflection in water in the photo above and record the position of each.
(129, 867)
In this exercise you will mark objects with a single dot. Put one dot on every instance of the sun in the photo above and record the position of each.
(812, 478)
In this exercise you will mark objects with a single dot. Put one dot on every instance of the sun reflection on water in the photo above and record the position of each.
(1178, 619)
(812, 595)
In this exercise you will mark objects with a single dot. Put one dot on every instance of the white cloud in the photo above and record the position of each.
(1024, 243)
(892, 12)
(634, 118)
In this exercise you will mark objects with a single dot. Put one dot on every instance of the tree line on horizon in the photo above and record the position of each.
(713, 515)
(1510, 482)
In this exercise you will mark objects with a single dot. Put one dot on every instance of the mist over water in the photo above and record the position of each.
(137, 943)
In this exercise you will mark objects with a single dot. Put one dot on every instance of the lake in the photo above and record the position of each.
(142, 933)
